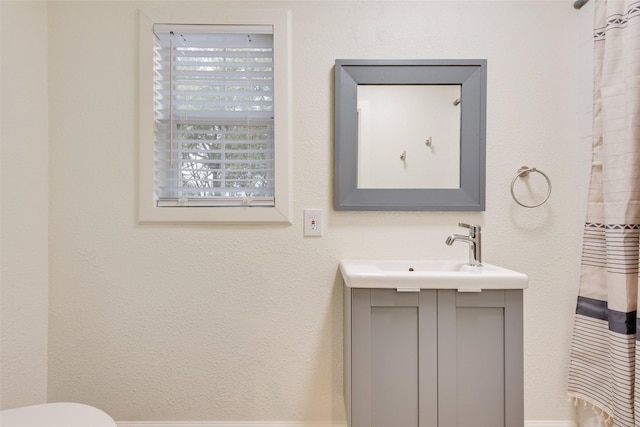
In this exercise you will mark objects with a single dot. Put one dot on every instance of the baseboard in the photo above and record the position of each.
(224, 424)
(287, 424)
(549, 424)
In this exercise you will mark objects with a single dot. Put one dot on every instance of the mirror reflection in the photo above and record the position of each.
(408, 136)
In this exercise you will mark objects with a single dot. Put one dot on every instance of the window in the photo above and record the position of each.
(219, 127)
(214, 115)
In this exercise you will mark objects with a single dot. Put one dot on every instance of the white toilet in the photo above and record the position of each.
(55, 415)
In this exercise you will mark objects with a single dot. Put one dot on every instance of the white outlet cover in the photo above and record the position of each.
(313, 222)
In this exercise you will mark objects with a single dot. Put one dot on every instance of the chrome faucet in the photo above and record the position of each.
(473, 239)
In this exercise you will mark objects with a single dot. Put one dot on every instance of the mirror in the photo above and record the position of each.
(410, 134)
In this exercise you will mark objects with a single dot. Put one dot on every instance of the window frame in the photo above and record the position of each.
(148, 210)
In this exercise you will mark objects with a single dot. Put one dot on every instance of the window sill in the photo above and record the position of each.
(219, 215)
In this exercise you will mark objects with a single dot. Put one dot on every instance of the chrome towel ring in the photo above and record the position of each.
(523, 172)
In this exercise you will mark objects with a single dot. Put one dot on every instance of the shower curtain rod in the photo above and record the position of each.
(579, 3)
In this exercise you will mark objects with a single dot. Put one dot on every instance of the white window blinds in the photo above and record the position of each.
(214, 114)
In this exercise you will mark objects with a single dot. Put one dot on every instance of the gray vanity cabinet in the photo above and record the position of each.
(434, 358)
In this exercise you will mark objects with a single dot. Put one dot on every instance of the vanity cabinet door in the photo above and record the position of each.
(393, 358)
(434, 358)
(480, 358)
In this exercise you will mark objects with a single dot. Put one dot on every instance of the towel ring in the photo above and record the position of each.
(523, 172)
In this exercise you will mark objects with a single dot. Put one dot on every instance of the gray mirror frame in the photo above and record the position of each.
(470, 74)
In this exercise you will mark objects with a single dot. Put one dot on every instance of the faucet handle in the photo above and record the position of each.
(474, 228)
(469, 226)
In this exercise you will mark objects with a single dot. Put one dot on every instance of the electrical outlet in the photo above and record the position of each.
(313, 222)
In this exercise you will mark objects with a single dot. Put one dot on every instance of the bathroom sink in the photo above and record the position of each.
(413, 275)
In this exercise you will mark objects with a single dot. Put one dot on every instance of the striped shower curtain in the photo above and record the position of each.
(604, 348)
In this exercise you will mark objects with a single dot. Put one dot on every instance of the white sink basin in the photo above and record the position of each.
(413, 275)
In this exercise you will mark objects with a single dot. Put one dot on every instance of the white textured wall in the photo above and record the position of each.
(24, 199)
(206, 322)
